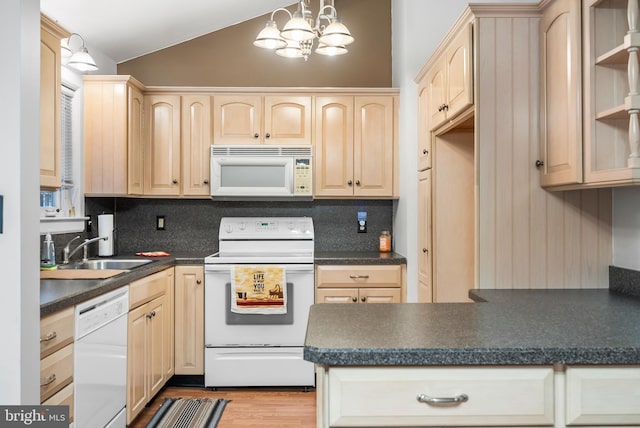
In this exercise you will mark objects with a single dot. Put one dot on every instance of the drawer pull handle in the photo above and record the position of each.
(50, 336)
(424, 398)
(49, 380)
(359, 276)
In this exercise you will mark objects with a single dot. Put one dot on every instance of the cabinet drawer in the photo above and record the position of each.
(603, 396)
(376, 397)
(146, 289)
(63, 398)
(359, 276)
(56, 371)
(56, 331)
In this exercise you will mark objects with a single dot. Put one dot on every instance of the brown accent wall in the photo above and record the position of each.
(228, 57)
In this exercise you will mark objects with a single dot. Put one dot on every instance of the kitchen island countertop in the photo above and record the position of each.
(594, 326)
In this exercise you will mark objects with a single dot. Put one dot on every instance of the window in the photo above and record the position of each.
(59, 206)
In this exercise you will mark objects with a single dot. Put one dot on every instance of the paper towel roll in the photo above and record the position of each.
(105, 228)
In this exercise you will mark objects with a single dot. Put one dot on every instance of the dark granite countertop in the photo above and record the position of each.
(57, 294)
(358, 258)
(512, 327)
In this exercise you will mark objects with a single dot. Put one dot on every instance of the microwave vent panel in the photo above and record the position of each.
(258, 151)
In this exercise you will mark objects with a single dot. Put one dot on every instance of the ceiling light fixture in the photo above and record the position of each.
(79, 58)
(299, 33)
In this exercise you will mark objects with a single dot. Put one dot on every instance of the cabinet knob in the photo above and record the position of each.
(354, 299)
(267, 135)
(363, 299)
(445, 107)
(539, 163)
(357, 182)
(424, 250)
(175, 181)
(349, 182)
(49, 380)
(198, 281)
(425, 151)
(206, 181)
(256, 135)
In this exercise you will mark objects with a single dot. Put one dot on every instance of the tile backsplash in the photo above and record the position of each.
(192, 225)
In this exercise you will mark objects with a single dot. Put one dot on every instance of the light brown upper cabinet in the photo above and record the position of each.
(354, 151)
(177, 145)
(449, 84)
(278, 119)
(424, 130)
(560, 95)
(591, 134)
(50, 96)
(113, 136)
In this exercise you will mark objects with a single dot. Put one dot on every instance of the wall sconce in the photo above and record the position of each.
(78, 58)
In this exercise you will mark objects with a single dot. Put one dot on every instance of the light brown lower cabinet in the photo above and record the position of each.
(473, 396)
(189, 320)
(360, 283)
(150, 339)
(56, 359)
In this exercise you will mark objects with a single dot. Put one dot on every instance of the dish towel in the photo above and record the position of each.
(258, 289)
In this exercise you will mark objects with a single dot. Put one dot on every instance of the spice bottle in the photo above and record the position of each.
(385, 241)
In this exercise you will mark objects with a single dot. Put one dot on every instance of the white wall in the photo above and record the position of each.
(626, 227)
(19, 184)
(418, 27)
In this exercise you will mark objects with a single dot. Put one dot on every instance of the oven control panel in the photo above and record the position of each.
(266, 228)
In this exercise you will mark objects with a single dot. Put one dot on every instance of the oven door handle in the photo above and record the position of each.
(288, 268)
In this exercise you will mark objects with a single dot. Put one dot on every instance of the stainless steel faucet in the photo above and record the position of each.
(66, 254)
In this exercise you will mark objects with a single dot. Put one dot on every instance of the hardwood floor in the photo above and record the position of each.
(249, 407)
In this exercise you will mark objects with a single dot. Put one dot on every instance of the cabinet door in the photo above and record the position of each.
(424, 131)
(162, 154)
(436, 95)
(135, 184)
(424, 237)
(373, 146)
(379, 295)
(459, 92)
(333, 146)
(50, 136)
(196, 144)
(137, 364)
(189, 320)
(236, 119)
(561, 83)
(287, 120)
(157, 335)
(337, 295)
(105, 138)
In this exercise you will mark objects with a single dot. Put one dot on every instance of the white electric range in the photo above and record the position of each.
(259, 349)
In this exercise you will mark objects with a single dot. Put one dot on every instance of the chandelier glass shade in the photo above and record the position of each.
(297, 38)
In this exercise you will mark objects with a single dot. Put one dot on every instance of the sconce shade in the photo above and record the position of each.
(82, 61)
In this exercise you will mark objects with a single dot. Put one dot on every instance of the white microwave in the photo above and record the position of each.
(261, 172)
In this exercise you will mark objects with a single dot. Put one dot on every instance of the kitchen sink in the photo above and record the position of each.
(116, 264)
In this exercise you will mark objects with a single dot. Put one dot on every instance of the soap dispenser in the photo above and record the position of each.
(48, 253)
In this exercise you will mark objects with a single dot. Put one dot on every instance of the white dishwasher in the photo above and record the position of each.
(100, 360)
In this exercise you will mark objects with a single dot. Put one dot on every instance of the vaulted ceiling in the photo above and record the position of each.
(126, 29)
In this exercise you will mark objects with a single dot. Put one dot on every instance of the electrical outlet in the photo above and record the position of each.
(362, 222)
(88, 224)
(160, 222)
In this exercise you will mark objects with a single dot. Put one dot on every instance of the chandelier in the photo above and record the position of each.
(298, 35)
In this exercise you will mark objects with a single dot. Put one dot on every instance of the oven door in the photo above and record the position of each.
(224, 328)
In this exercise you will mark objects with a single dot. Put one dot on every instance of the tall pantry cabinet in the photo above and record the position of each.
(489, 224)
